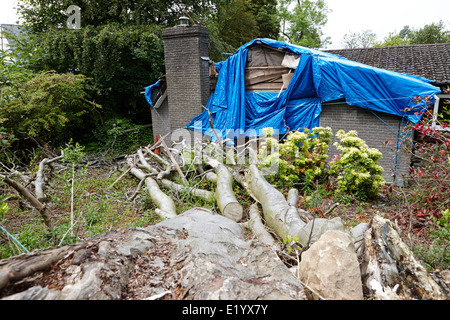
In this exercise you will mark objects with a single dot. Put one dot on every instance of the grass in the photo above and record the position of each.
(96, 210)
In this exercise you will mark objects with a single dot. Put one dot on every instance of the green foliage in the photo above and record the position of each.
(234, 23)
(119, 135)
(303, 24)
(73, 153)
(42, 15)
(357, 169)
(301, 160)
(48, 106)
(239, 25)
(120, 60)
(430, 33)
(268, 22)
(301, 157)
(437, 254)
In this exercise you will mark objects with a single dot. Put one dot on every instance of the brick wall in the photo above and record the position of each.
(159, 127)
(375, 131)
(187, 76)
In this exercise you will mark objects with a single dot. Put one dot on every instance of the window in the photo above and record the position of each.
(442, 101)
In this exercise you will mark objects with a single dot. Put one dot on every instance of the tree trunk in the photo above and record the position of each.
(389, 269)
(195, 255)
(277, 213)
(224, 194)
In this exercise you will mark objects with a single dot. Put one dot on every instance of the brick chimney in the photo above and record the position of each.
(187, 76)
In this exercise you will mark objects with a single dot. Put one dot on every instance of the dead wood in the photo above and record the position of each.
(224, 194)
(292, 197)
(204, 194)
(259, 230)
(165, 204)
(27, 195)
(19, 267)
(39, 182)
(196, 255)
(177, 167)
(389, 268)
(277, 213)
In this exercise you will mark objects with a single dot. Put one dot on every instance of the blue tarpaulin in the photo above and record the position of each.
(319, 77)
(149, 90)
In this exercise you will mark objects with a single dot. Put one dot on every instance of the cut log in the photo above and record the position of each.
(259, 230)
(389, 268)
(292, 197)
(197, 255)
(224, 194)
(166, 206)
(277, 212)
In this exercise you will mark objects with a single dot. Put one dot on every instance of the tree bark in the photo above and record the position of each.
(39, 182)
(277, 213)
(389, 269)
(196, 255)
(204, 194)
(259, 230)
(224, 194)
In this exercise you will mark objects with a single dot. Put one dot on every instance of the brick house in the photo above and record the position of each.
(431, 61)
(190, 79)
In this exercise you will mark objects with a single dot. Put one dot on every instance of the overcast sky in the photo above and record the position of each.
(379, 16)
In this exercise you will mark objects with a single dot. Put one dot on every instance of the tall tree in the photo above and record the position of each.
(266, 16)
(238, 24)
(363, 39)
(119, 44)
(302, 22)
(430, 33)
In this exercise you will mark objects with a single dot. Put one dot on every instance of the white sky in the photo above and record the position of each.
(379, 16)
(382, 16)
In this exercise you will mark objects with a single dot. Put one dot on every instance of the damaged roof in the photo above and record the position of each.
(431, 61)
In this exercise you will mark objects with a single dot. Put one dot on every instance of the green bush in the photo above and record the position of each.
(301, 157)
(356, 169)
(301, 160)
(49, 106)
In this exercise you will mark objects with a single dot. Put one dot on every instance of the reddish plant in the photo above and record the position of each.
(429, 179)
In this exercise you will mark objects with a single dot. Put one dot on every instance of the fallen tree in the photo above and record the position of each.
(204, 254)
(196, 255)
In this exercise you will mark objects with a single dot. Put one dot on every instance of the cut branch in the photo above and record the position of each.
(39, 183)
(259, 229)
(175, 163)
(25, 193)
(204, 194)
(228, 204)
(277, 212)
(166, 206)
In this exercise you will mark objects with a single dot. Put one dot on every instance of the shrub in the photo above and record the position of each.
(301, 157)
(356, 169)
(49, 106)
(430, 176)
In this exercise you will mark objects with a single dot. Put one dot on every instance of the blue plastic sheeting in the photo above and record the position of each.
(149, 90)
(320, 77)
